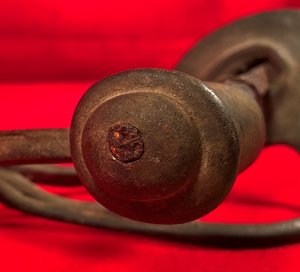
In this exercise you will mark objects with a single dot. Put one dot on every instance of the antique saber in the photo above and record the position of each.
(163, 147)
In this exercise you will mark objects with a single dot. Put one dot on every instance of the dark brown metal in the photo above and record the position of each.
(271, 38)
(164, 147)
(48, 174)
(34, 146)
(197, 137)
(125, 142)
(20, 193)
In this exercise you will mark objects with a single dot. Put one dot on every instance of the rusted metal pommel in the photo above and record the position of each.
(161, 146)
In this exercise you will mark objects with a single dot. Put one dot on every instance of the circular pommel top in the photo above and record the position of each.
(155, 146)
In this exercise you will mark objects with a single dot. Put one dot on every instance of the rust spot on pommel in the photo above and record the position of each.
(125, 142)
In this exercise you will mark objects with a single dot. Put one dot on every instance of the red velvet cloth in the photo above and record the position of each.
(50, 52)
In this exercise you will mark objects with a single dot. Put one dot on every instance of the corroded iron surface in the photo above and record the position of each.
(271, 38)
(164, 147)
(196, 136)
(34, 146)
(125, 142)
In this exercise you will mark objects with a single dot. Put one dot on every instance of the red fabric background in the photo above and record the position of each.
(50, 52)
